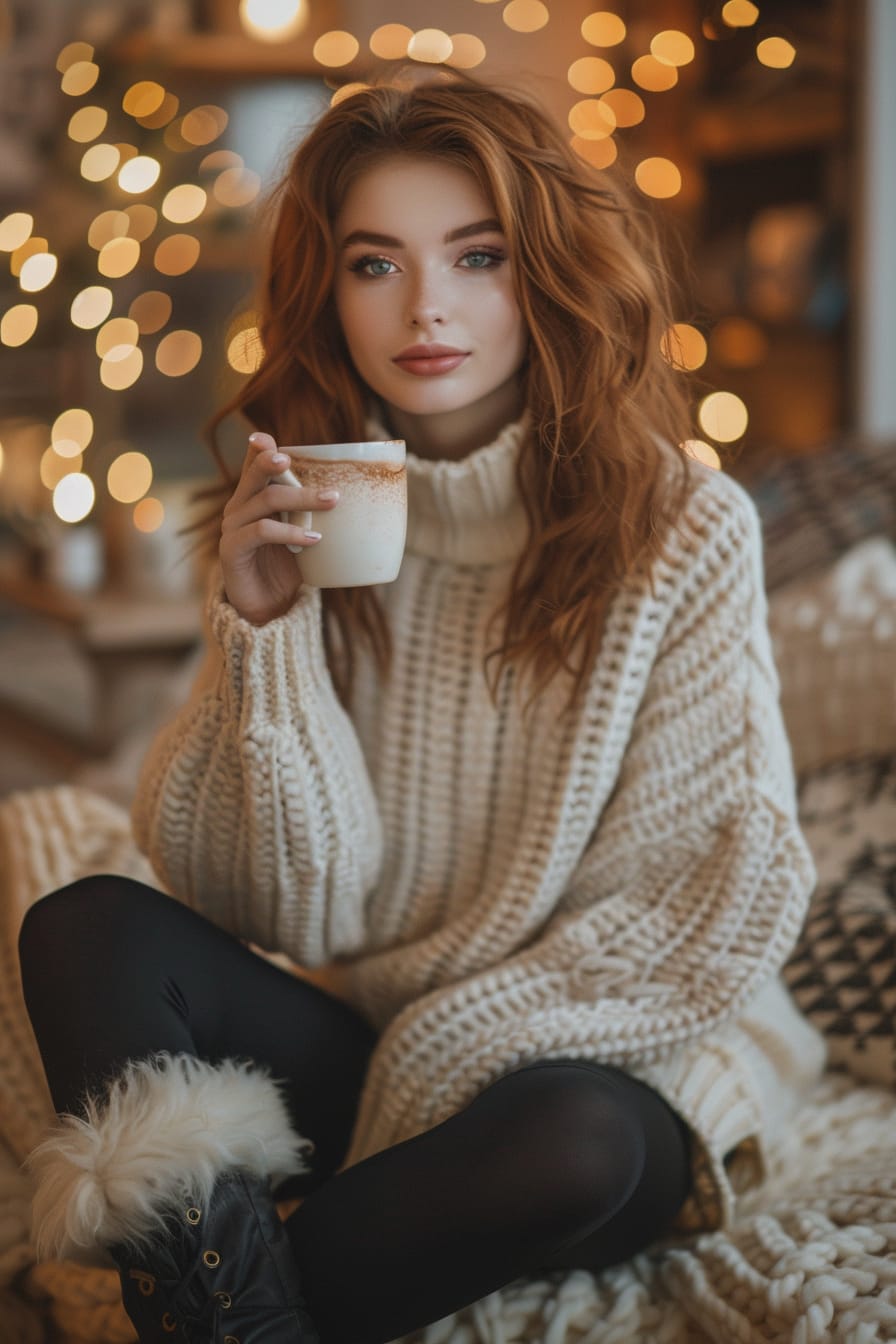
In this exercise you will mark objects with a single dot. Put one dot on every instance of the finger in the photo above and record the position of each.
(275, 498)
(266, 532)
(259, 465)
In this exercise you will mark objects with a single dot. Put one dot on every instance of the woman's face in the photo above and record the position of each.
(421, 261)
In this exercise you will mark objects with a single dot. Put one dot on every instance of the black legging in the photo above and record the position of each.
(558, 1164)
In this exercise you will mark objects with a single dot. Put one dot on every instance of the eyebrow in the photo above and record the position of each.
(386, 239)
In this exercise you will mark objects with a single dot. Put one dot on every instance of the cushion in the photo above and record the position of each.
(842, 972)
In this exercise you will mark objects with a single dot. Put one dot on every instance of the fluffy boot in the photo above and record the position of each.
(168, 1176)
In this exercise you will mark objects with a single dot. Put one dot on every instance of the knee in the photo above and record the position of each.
(70, 915)
(586, 1150)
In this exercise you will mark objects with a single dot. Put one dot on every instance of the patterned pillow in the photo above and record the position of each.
(842, 972)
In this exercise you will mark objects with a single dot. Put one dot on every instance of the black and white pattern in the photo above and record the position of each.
(842, 972)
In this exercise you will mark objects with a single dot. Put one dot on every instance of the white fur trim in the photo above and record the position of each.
(168, 1126)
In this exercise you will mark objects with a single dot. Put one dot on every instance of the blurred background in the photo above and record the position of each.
(138, 139)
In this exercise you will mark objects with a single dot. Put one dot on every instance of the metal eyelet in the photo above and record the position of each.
(193, 1216)
(145, 1282)
(211, 1259)
(169, 1324)
(226, 1301)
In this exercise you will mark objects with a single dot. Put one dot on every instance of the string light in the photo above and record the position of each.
(683, 346)
(603, 29)
(150, 310)
(38, 271)
(739, 13)
(73, 497)
(15, 230)
(526, 16)
(722, 416)
(336, 48)
(390, 41)
(178, 353)
(431, 45)
(468, 51)
(18, 324)
(591, 74)
(658, 177)
(273, 20)
(129, 477)
(776, 52)
(91, 306)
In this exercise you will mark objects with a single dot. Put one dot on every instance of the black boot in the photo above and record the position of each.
(223, 1274)
(169, 1172)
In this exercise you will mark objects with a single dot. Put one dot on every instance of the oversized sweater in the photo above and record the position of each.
(622, 884)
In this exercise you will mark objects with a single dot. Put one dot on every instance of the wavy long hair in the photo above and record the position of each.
(608, 411)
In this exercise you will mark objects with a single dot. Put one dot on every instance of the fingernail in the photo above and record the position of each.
(328, 494)
(314, 536)
(280, 459)
(253, 438)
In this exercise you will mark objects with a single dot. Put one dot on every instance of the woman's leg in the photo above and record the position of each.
(559, 1164)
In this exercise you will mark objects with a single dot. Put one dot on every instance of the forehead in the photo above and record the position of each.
(409, 192)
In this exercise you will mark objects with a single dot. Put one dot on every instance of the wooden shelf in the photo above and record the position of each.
(226, 55)
(797, 119)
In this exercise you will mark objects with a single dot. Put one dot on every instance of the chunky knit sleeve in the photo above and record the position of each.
(254, 805)
(691, 890)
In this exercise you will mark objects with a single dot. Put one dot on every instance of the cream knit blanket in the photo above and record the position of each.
(810, 1259)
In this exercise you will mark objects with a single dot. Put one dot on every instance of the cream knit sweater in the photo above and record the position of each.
(623, 886)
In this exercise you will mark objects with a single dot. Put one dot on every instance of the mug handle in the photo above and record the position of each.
(288, 477)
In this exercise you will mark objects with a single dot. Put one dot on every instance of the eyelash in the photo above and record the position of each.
(495, 253)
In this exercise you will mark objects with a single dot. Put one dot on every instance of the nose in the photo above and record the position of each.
(426, 301)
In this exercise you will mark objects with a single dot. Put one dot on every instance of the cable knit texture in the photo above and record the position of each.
(622, 885)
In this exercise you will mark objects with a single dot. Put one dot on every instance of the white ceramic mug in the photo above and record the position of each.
(362, 538)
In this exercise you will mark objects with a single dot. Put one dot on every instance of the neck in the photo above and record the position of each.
(452, 435)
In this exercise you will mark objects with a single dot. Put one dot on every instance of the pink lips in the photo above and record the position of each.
(427, 360)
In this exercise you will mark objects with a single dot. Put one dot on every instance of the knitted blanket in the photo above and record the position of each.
(811, 1258)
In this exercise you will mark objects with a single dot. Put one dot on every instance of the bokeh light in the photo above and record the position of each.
(722, 416)
(165, 112)
(139, 174)
(184, 203)
(15, 230)
(99, 162)
(591, 119)
(702, 452)
(87, 123)
(599, 153)
(658, 177)
(117, 338)
(236, 187)
(683, 346)
(468, 51)
(143, 98)
(73, 52)
(430, 45)
(38, 271)
(149, 515)
(244, 348)
(273, 20)
(118, 257)
(80, 78)
(335, 48)
(671, 47)
(738, 343)
(150, 310)
(176, 254)
(603, 29)
(627, 107)
(591, 74)
(178, 353)
(53, 468)
(776, 52)
(204, 124)
(390, 41)
(129, 477)
(739, 13)
(91, 306)
(73, 497)
(525, 16)
(18, 324)
(142, 219)
(118, 374)
(653, 75)
(29, 248)
(106, 226)
(72, 431)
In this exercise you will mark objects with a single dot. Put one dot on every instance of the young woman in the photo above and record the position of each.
(531, 806)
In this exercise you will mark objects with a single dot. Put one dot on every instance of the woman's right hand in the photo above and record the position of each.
(261, 577)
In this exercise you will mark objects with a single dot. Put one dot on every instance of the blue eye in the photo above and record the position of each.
(362, 264)
(486, 256)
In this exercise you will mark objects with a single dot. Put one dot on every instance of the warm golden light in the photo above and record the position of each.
(236, 187)
(149, 515)
(118, 258)
(87, 123)
(150, 310)
(38, 271)
(526, 16)
(336, 48)
(29, 248)
(166, 110)
(184, 203)
(91, 307)
(599, 153)
(142, 219)
(15, 230)
(74, 51)
(468, 51)
(18, 324)
(739, 13)
(110, 224)
(626, 106)
(117, 338)
(273, 20)
(80, 78)
(54, 468)
(174, 140)
(73, 497)
(204, 124)
(703, 452)
(658, 177)
(143, 98)
(118, 374)
(776, 52)
(139, 174)
(672, 47)
(129, 477)
(592, 120)
(683, 346)
(99, 162)
(603, 29)
(738, 343)
(346, 91)
(390, 41)
(430, 45)
(722, 416)
(220, 159)
(653, 75)
(176, 254)
(244, 348)
(73, 428)
(178, 353)
(591, 74)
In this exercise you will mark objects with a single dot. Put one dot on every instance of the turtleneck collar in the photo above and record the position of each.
(468, 512)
